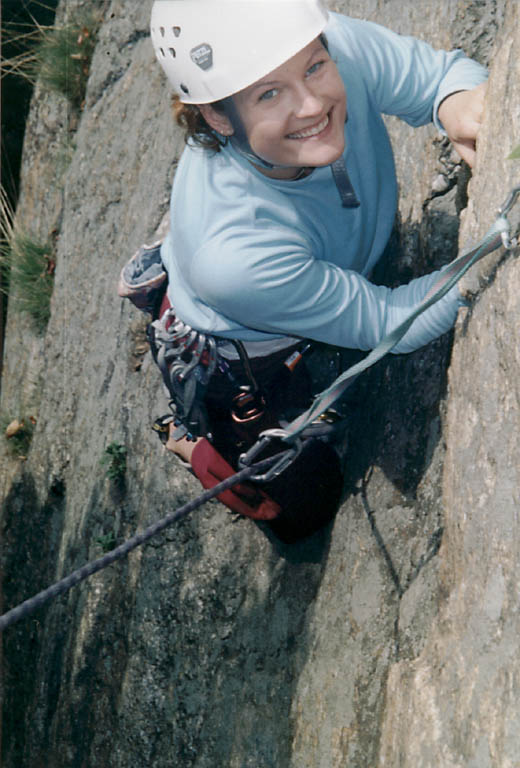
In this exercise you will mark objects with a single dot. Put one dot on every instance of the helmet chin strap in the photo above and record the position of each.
(241, 143)
(239, 138)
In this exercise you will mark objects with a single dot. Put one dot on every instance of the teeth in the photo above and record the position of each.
(311, 131)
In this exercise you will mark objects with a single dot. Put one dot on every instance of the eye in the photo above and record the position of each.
(314, 68)
(267, 95)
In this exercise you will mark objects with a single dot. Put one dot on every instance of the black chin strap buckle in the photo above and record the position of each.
(343, 184)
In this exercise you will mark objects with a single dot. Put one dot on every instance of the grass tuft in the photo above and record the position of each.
(27, 267)
(107, 542)
(59, 55)
(63, 59)
(31, 265)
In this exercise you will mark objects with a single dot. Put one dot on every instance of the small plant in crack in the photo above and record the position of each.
(29, 266)
(63, 58)
(18, 433)
(114, 461)
(107, 542)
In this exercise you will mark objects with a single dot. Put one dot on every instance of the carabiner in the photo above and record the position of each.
(509, 202)
(280, 460)
(507, 241)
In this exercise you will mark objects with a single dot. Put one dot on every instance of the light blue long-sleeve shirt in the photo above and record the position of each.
(255, 258)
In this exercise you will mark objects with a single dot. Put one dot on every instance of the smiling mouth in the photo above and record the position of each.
(314, 130)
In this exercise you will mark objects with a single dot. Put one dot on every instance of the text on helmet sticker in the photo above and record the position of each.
(202, 55)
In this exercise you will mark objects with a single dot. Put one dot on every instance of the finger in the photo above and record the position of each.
(470, 127)
(466, 150)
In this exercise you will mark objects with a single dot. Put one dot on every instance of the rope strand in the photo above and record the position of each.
(63, 585)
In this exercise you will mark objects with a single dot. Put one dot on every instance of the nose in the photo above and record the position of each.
(307, 103)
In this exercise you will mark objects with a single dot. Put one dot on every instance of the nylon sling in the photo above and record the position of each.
(498, 234)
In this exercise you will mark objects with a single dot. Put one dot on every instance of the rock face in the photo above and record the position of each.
(389, 639)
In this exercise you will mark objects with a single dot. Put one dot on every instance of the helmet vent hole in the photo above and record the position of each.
(162, 52)
(172, 52)
(184, 88)
(162, 31)
(176, 31)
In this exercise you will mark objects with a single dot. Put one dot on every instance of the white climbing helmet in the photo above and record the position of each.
(210, 49)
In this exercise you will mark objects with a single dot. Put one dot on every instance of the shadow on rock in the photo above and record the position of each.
(30, 543)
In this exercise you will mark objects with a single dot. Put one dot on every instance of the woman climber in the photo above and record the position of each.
(282, 204)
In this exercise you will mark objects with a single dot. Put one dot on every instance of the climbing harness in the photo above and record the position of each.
(188, 360)
(293, 433)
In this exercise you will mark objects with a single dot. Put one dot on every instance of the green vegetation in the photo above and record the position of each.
(63, 59)
(18, 433)
(515, 154)
(26, 268)
(29, 265)
(114, 459)
(59, 55)
(107, 542)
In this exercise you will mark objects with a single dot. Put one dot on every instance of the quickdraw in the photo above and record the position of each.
(499, 234)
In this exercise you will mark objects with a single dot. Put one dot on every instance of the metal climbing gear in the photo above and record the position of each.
(281, 461)
(187, 360)
(507, 241)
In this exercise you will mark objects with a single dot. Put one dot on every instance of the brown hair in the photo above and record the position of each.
(196, 130)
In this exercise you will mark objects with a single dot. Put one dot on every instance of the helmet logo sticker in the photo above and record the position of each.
(202, 56)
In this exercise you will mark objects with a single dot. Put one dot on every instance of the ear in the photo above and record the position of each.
(216, 120)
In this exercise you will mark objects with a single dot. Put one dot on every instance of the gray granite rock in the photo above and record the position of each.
(388, 639)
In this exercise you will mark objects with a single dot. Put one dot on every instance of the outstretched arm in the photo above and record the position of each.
(461, 115)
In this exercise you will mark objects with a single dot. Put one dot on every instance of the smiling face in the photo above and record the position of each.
(294, 116)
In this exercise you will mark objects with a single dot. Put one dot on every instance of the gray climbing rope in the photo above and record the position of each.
(29, 606)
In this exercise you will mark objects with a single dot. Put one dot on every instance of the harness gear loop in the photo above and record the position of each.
(246, 365)
(187, 360)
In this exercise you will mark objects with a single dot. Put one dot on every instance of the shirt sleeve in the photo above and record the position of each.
(405, 76)
(279, 288)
